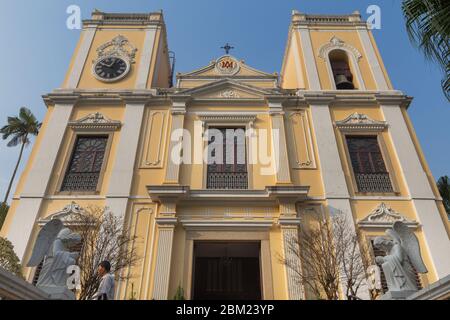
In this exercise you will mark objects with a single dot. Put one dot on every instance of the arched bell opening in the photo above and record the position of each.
(342, 72)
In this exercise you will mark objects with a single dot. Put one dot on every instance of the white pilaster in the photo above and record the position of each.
(292, 258)
(173, 168)
(82, 54)
(330, 162)
(123, 170)
(420, 190)
(308, 58)
(38, 178)
(163, 261)
(279, 145)
(146, 58)
(333, 177)
(372, 59)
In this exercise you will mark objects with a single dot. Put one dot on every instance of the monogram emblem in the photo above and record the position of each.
(227, 65)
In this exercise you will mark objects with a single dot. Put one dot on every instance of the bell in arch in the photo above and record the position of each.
(343, 83)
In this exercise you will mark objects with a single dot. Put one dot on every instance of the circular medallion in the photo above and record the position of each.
(227, 65)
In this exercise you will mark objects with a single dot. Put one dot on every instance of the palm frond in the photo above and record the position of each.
(15, 140)
(428, 27)
(20, 128)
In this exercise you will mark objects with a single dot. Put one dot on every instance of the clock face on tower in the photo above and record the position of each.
(111, 69)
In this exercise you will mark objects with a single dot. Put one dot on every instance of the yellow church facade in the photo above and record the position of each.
(329, 133)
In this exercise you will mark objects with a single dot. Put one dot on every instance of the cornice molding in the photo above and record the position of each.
(120, 19)
(94, 122)
(383, 217)
(177, 193)
(229, 117)
(361, 97)
(301, 19)
(357, 122)
(223, 223)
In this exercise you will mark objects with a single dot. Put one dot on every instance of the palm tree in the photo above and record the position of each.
(428, 26)
(443, 185)
(20, 129)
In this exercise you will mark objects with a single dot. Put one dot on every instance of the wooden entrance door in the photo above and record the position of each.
(227, 271)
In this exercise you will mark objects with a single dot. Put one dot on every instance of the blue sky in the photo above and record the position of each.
(37, 48)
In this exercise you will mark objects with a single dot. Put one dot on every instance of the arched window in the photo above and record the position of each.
(342, 73)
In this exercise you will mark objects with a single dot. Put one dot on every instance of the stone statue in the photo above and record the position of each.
(374, 277)
(51, 244)
(402, 256)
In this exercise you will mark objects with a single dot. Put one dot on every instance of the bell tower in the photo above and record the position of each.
(120, 60)
(120, 51)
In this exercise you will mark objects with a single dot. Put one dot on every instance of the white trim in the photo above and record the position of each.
(81, 58)
(122, 173)
(282, 167)
(330, 162)
(372, 59)
(146, 58)
(308, 57)
(298, 64)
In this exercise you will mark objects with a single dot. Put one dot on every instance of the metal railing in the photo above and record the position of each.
(374, 182)
(227, 180)
(80, 181)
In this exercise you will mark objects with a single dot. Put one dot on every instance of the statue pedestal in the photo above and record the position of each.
(58, 293)
(397, 295)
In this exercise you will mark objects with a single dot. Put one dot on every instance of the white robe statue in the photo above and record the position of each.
(402, 256)
(51, 245)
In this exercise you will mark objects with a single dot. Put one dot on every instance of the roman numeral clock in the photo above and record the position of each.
(114, 60)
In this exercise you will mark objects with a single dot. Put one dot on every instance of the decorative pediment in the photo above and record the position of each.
(95, 121)
(118, 47)
(69, 215)
(336, 43)
(384, 217)
(227, 67)
(360, 122)
(236, 117)
(226, 89)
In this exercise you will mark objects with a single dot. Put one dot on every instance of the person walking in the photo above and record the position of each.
(106, 288)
